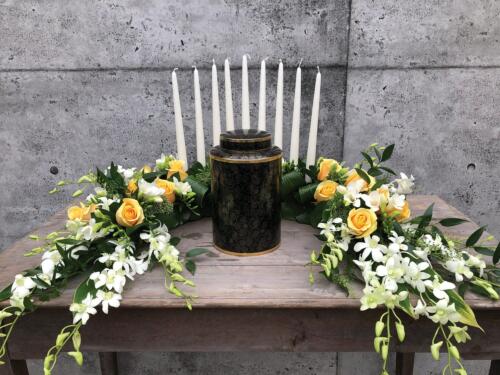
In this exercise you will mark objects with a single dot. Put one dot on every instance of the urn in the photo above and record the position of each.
(246, 182)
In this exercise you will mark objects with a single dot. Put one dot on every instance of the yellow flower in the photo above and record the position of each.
(353, 178)
(384, 193)
(81, 212)
(402, 214)
(362, 222)
(130, 213)
(146, 169)
(169, 188)
(325, 190)
(325, 167)
(132, 186)
(177, 166)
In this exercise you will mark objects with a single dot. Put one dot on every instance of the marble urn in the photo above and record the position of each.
(246, 178)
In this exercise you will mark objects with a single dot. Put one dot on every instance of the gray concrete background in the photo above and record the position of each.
(79, 79)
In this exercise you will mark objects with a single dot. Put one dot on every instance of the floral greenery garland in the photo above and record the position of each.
(122, 230)
(367, 236)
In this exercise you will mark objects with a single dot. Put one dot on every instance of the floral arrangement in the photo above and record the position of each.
(121, 230)
(405, 265)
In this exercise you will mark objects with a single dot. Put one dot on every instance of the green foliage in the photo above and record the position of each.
(112, 181)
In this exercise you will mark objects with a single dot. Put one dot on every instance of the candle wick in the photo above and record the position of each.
(300, 62)
(318, 68)
(281, 62)
(247, 55)
(175, 69)
(193, 66)
(213, 61)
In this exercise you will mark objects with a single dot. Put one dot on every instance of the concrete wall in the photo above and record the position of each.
(86, 78)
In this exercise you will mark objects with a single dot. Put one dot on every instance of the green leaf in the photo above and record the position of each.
(388, 170)
(374, 172)
(474, 237)
(199, 188)
(363, 175)
(368, 158)
(466, 314)
(85, 288)
(306, 193)
(484, 250)
(452, 221)
(291, 182)
(196, 252)
(496, 255)
(386, 155)
(174, 241)
(290, 210)
(426, 218)
(151, 176)
(317, 214)
(462, 289)
(6, 293)
(191, 267)
(397, 228)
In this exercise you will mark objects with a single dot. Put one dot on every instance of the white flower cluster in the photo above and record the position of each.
(386, 268)
(159, 245)
(120, 265)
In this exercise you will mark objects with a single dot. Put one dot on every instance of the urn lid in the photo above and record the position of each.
(246, 140)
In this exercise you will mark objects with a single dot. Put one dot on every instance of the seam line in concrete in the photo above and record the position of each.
(422, 67)
(346, 77)
(158, 69)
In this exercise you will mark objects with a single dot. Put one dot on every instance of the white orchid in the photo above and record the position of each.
(150, 191)
(397, 243)
(404, 185)
(105, 202)
(420, 308)
(366, 269)
(126, 173)
(458, 267)
(439, 287)
(108, 299)
(396, 202)
(476, 262)
(371, 246)
(50, 260)
(392, 272)
(415, 275)
(110, 278)
(442, 312)
(328, 228)
(82, 311)
(22, 286)
(182, 187)
(372, 200)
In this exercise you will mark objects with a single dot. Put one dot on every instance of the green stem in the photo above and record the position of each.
(76, 327)
(3, 349)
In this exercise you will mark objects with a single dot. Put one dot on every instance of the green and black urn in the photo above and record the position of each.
(246, 178)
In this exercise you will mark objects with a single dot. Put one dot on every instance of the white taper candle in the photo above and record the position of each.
(262, 96)
(200, 137)
(245, 100)
(229, 96)
(179, 129)
(278, 121)
(294, 142)
(313, 130)
(215, 107)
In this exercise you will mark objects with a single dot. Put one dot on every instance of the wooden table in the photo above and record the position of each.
(260, 303)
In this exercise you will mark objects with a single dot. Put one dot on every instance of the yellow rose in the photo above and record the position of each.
(402, 215)
(325, 167)
(169, 188)
(81, 212)
(130, 213)
(362, 222)
(325, 190)
(353, 177)
(177, 166)
(132, 187)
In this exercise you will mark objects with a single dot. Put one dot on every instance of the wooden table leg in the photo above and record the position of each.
(109, 363)
(404, 363)
(13, 367)
(495, 367)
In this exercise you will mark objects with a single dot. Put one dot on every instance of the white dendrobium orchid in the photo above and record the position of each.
(476, 262)
(182, 187)
(371, 246)
(420, 308)
(397, 244)
(50, 260)
(162, 162)
(458, 267)
(392, 273)
(21, 287)
(126, 173)
(108, 299)
(105, 202)
(439, 288)
(396, 201)
(328, 228)
(443, 312)
(351, 195)
(415, 276)
(404, 185)
(150, 191)
(366, 270)
(82, 311)
(110, 278)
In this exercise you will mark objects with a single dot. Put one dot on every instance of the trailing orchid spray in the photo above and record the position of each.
(364, 218)
(117, 233)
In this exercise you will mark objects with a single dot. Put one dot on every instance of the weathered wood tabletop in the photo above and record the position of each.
(262, 303)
